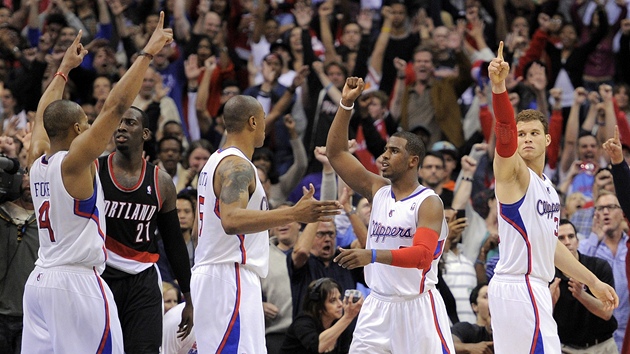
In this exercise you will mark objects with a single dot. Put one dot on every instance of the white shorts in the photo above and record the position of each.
(69, 309)
(228, 312)
(522, 315)
(389, 324)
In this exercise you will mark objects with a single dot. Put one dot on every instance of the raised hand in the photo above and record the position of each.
(308, 209)
(498, 71)
(74, 55)
(579, 95)
(612, 147)
(160, 37)
(191, 67)
(352, 89)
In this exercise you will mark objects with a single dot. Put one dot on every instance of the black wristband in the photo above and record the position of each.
(145, 54)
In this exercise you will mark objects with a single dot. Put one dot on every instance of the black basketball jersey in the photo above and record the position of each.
(131, 215)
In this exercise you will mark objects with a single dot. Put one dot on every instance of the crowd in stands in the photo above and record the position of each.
(425, 67)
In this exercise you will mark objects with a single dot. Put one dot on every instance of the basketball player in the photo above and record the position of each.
(233, 250)
(406, 234)
(519, 297)
(140, 197)
(67, 306)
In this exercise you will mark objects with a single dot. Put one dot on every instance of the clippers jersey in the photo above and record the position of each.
(214, 245)
(392, 226)
(528, 230)
(71, 231)
(131, 215)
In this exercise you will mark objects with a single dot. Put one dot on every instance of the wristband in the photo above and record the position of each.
(291, 89)
(386, 29)
(346, 107)
(469, 179)
(63, 76)
(328, 86)
(373, 255)
(143, 53)
(479, 261)
(352, 211)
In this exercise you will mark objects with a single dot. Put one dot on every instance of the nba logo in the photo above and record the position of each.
(391, 213)
(413, 206)
(149, 190)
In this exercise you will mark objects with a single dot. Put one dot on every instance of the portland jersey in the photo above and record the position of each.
(71, 231)
(392, 226)
(528, 230)
(214, 245)
(131, 215)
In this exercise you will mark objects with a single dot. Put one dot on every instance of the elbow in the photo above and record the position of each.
(229, 226)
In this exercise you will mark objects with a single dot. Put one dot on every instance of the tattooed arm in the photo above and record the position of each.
(235, 182)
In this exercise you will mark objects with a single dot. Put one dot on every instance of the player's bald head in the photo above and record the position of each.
(237, 112)
(59, 116)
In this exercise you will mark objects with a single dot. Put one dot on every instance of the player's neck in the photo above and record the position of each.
(402, 189)
(240, 142)
(128, 161)
(537, 165)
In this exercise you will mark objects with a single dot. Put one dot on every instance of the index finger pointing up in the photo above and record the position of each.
(77, 39)
(160, 24)
(500, 51)
(616, 136)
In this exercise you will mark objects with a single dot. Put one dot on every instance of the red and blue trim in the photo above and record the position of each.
(511, 214)
(438, 329)
(230, 341)
(105, 346)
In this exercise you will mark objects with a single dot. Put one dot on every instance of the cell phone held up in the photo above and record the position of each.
(461, 213)
(353, 294)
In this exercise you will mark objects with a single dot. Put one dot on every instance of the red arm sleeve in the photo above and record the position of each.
(505, 128)
(555, 130)
(622, 123)
(420, 255)
(486, 118)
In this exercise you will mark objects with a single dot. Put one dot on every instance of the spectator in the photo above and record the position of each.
(475, 337)
(582, 320)
(171, 296)
(608, 241)
(324, 323)
(431, 174)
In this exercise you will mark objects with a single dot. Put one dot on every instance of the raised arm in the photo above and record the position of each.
(345, 164)
(89, 145)
(378, 53)
(40, 143)
(571, 130)
(509, 169)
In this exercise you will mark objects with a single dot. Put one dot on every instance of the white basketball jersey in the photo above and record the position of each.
(528, 231)
(71, 231)
(217, 247)
(392, 226)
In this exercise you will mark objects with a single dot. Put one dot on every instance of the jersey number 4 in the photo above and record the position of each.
(44, 220)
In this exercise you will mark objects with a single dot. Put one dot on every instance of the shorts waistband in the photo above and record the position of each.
(67, 269)
(397, 298)
(590, 343)
(518, 278)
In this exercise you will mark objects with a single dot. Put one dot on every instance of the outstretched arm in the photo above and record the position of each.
(420, 255)
(40, 143)
(89, 145)
(342, 161)
(509, 168)
(567, 263)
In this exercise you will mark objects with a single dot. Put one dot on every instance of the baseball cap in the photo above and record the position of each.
(445, 147)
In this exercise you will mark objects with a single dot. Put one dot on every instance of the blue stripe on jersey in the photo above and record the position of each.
(105, 346)
(438, 329)
(44, 161)
(537, 340)
(408, 197)
(511, 214)
(229, 343)
(87, 209)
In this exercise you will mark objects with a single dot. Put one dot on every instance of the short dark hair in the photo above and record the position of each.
(567, 222)
(166, 138)
(529, 115)
(59, 116)
(316, 296)
(436, 154)
(144, 118)
(186, 194)
(238, 110)
(414, 145)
